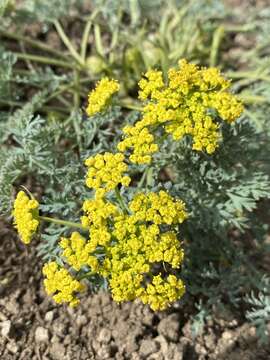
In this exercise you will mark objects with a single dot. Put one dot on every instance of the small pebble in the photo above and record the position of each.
(49, 316)
(169, 327)
(6, 328)
(12, 347)
(41, 334)
(148, 347)
(104, 336)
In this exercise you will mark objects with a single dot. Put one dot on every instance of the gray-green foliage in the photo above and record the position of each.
(47, 11)
(259, 314)
(7, 60)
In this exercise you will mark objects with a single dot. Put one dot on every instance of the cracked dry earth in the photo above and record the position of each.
(32, 327)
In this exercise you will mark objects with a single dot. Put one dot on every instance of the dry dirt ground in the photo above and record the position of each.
(32, 327)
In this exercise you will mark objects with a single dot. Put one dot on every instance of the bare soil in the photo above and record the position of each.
(32, 327)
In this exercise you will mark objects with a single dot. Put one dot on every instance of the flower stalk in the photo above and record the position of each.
(61, 222)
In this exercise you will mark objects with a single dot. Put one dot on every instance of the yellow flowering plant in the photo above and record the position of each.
(133, 239)
(108, 170)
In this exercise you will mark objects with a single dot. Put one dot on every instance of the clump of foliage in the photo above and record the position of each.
(128, 242)
(45, 136)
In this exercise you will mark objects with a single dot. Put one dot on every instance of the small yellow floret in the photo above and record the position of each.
(25, 215)
(99, 98)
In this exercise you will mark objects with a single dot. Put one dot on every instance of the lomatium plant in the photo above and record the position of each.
(133, 240)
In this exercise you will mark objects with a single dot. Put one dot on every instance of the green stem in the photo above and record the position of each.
(217, 38)
(68, 44)
(130, 106)
(240, 28)
(84, 276)
(146, 177)
(98, 41)
(140, 184)
(247, 75)
(86, 33)
(37, 44)
(253, 99)
(120, 200)
(76, 93)
(45, 108)
(85, 39)
(44, 60)
(149, 177)
(67, 87)
(61, 222)
(65, 102)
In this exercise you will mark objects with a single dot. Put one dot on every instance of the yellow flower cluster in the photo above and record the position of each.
(130, 262)
(159, 208)
(140, 246)
(152, 82)
(99, 213)
(25, 215)
(162, 292)
(141, 141)
(97, 210)
(60, 283)
(99, 98)
(106, 171)
(77, 252)
(187, 105)
(133, 243)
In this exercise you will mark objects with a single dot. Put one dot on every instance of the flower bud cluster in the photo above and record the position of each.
(25, 215)
(99, 98)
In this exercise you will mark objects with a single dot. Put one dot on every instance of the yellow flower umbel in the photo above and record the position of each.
(160, 293)
(25, 215)
(126, 247)
(106, 171)
(60, 283)
(99, 98)
(160, 208)
(130, 262)
(139, 244)
(98, 210)
(191, 103)
(77, 252)
(141, 141)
